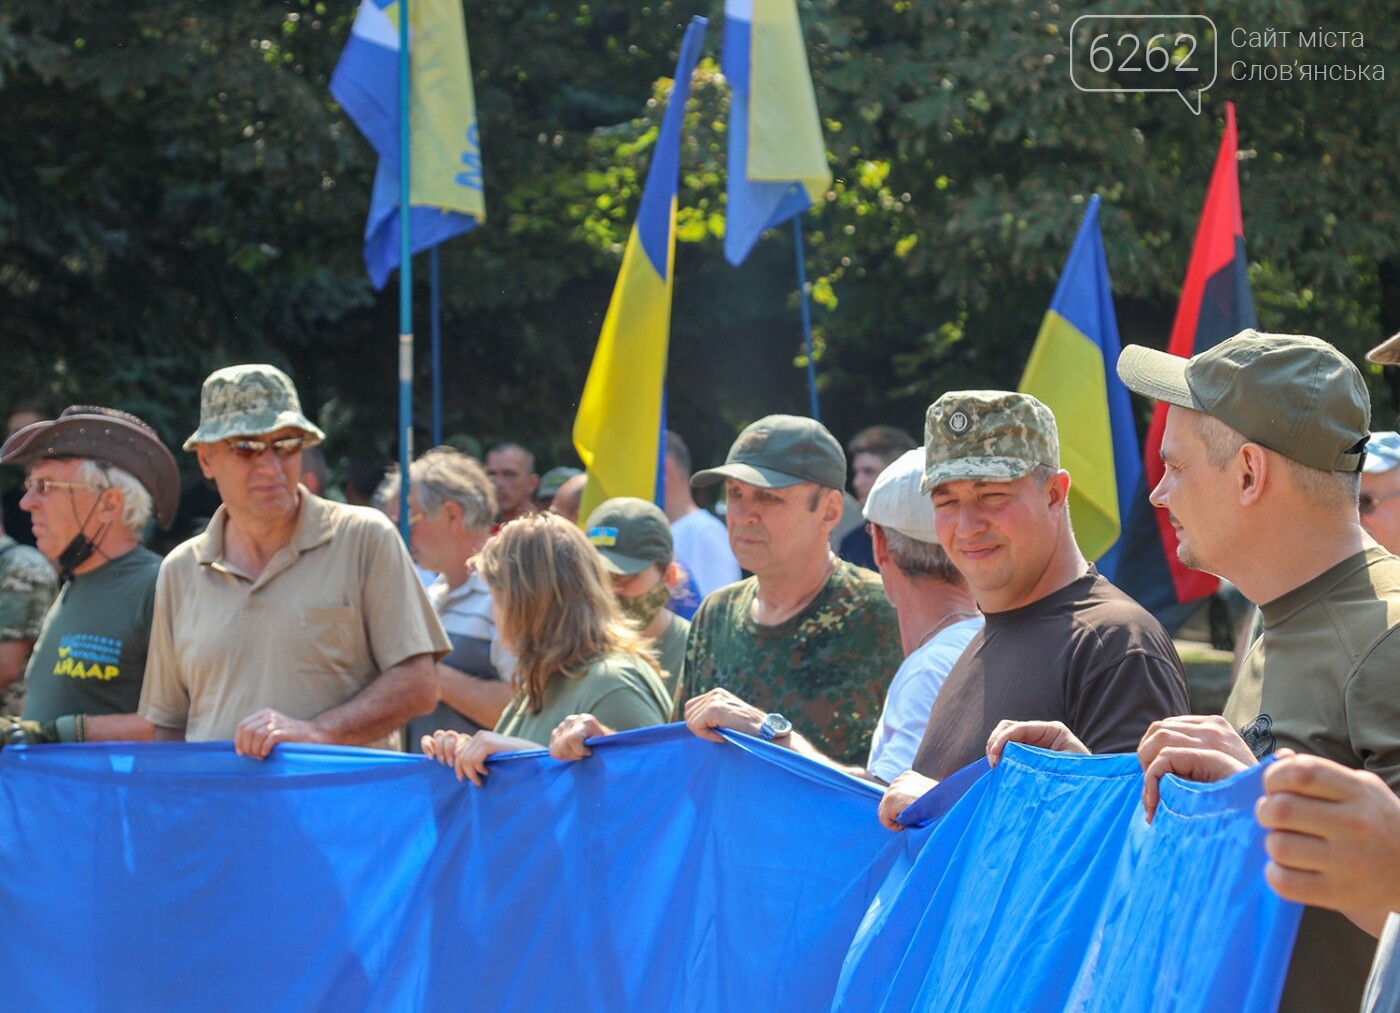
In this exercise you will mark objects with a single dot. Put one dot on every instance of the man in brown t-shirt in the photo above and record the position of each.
(1060, 642)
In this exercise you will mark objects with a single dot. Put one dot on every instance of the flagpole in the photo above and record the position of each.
(814, 409)
(437, 349)
(405, 278)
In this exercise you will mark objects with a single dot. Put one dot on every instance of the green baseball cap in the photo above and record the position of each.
(987, 436)
(630, 534)
(249, 400)
(779, 451)
(552, 479)
(1294, 394)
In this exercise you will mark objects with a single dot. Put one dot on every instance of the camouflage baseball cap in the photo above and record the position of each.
(630, 534)
(779, 451)
(987, 436)
(1296, 395)
(249, 400)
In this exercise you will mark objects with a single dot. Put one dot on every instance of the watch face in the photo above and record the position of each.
(774, 726)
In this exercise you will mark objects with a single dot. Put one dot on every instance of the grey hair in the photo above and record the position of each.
(136, 501)
(446, 475)
(921, 559)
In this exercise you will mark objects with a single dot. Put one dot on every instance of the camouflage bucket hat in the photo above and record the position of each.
(249, 400)
(987, 436)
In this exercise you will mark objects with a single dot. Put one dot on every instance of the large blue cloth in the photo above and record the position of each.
(1044, 888)
(664, 872)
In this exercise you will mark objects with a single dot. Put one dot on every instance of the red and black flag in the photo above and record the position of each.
(1215, 304)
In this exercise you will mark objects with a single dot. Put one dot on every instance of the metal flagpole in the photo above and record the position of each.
(405, 278)
(437, 349)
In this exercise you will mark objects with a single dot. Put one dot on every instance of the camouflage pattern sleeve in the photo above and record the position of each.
(712, 627)
(27, 589)
(833, 688)
(827, 669)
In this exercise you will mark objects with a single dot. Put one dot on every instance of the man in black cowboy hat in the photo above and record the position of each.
(96, 476)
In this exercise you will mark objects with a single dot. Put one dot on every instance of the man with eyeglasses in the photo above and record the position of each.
(1380, 490)
(96, 476)
(291, 618)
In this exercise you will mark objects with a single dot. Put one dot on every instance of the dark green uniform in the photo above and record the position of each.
(826, 669)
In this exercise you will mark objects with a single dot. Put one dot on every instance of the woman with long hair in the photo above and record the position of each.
(575, 653)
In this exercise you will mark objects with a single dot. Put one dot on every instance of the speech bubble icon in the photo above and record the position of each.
(1175, 53)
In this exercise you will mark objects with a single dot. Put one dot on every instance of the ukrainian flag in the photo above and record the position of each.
(777, 156)
(1072, 369)
(447, 193)
(618, 429)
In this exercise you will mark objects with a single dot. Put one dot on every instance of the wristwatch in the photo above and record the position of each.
(774, 726)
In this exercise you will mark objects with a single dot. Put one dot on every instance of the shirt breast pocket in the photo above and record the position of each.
(333, 640)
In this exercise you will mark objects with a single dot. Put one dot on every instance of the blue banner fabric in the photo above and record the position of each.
(664, 872)
(1044, 888)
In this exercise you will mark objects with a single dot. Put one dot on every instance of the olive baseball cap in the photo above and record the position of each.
(1294, 394)
(897, 501)
(779, 451)
(249, 400)
(552, 479)
(987, 436)
(630, 534)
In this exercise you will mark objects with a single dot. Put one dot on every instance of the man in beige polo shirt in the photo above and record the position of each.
(291, 618)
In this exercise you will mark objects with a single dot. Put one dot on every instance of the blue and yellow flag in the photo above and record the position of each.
(777, 156)
(1073, 369)
(618, 429)
(447, 195)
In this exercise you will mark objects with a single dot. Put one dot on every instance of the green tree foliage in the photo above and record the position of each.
(179, 191)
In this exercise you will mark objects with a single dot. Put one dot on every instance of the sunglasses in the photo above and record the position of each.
(247, 449)
(44, 486)
(1368, 503)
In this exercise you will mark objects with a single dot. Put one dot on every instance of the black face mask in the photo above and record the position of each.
(81, 548)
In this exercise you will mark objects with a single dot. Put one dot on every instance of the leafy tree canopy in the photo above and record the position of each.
(178, 191)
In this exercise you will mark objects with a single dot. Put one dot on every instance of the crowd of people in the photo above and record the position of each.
(954, 616)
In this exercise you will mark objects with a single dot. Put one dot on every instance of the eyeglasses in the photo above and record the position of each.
(44, 486)
(287, 446)
(1368, 503)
